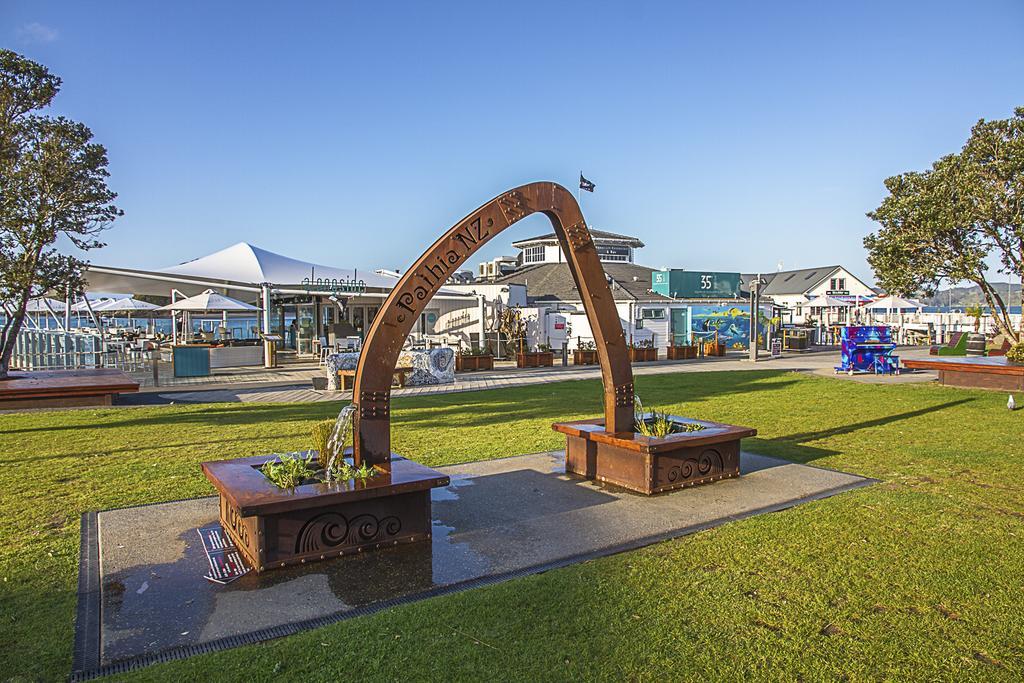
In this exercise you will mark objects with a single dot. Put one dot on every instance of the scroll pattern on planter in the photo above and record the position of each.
(332, 529)
(708, 462)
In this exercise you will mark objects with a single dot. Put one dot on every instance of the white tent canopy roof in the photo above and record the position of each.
(237, 271)
(209, 301)
(894, 303)
(244, 262)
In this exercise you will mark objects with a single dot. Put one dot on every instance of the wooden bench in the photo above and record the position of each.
(347, 378)
(63, 388)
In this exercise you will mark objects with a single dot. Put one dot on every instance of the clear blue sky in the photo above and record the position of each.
(726, 137)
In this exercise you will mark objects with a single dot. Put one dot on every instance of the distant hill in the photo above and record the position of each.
(968, 296)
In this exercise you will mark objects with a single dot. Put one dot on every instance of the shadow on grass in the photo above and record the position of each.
(793, 446)
(458, 409)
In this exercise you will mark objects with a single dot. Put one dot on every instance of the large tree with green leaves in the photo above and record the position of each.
(955, 220)
(53, 183)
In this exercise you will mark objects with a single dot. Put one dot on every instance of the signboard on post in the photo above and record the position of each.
(692, 284)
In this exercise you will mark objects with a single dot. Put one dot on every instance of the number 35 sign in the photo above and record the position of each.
(688, 284)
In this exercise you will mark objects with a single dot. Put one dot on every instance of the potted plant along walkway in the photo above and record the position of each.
(643, 351)
(585, 353)
(681, 352)
(474, 358)
(541, 357)
(713, 347)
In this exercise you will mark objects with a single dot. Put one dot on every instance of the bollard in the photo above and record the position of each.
(154, 354)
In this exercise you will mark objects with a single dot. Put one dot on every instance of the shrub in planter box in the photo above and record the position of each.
(465, 362)
(665, 452)
(535, 359)
(714, 349)
(642, 353)
(584, 357)
(682, 352)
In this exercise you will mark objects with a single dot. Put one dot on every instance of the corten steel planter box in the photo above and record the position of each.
(681, 352)
(642, 355)
(535, 359)
(275, 527)
(652, 465)
(584, 357)
(714, 349)
(467, 362)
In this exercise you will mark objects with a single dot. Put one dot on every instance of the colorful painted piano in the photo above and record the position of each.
(867, 348)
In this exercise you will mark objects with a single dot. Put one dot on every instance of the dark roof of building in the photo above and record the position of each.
(550, 282)
(596, 234)
(790, 281)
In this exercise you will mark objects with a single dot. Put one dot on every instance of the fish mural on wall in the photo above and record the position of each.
(731, 323)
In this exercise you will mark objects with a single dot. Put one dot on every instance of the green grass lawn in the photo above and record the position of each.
(920, 576)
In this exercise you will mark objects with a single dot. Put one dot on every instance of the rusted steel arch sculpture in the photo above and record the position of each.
(401, 310)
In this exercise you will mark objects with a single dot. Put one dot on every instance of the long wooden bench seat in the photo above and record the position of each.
(63, 388)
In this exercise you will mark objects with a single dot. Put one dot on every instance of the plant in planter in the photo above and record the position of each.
(585, 353)
(660, 424)
(976, 314)
(321, 433)
(681, 351)
(541, 356)
(643, 350)
(1016, 353)
(288, 471)
(512, 325)
(474, 358)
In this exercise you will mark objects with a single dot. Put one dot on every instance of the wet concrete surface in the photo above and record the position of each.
(496, 517)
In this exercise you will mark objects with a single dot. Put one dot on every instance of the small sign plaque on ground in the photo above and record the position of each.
(226, 563)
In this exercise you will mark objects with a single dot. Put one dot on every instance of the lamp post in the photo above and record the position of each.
(755, 300)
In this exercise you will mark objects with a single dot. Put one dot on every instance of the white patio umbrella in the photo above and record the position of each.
(39, 305)
(84, 304)
(207, 302)
(126, 305)
(893, 303)
(828, 302)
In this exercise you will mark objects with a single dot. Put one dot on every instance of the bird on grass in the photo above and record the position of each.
(1011, 404)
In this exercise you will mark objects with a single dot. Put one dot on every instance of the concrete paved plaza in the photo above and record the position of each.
(295, 385)
(143, 596)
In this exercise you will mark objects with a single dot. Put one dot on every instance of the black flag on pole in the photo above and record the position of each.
(586, 184)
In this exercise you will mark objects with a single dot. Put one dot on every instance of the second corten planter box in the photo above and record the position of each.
(681, 352)
(535, 359)
(584, 357)
(639, 354)
(468, 362)
(652, 465)
(275, 527)
(714, 349)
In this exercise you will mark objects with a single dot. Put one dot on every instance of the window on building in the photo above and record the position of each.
(653, 313)
(533, 255)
